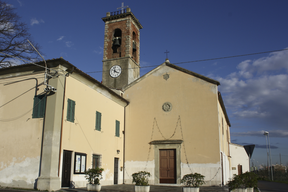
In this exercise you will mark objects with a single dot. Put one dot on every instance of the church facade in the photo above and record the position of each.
(57, 124)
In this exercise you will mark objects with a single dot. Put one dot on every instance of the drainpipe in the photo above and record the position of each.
(124, 144)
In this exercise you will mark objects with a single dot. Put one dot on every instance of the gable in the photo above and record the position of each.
(167, 64)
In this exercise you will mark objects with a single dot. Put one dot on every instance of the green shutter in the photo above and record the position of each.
(98, 121)
(71, 110)
(39, 106)
(117, 129)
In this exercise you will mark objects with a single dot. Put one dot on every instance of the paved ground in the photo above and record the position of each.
(266, 186)
(127, 188)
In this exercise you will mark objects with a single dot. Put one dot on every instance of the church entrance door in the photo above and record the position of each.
(167, 165)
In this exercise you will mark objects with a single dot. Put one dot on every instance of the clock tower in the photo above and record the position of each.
(121, 62)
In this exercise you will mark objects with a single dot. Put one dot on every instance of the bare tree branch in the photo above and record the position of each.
(13, 37)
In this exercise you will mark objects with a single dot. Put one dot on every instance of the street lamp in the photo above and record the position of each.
(266, 133)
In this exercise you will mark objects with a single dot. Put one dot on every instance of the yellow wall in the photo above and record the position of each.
(21, 135)
(193, 100)
(81, 135)
(195, 109)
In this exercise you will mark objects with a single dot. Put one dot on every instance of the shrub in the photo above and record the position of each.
(193, 180)
(141, 178)
(245, 180)
(94, 175)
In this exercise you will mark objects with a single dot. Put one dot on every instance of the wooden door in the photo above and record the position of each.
(116, 165)
(240, 169)
(66, 168)
(167, 165)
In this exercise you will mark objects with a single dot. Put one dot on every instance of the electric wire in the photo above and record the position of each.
(202, 60)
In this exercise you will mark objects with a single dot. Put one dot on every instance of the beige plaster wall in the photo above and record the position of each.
(224, 134)
(193, 118)
(21, 135)
(81, 135)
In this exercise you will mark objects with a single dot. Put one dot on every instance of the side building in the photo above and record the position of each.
(49, 138)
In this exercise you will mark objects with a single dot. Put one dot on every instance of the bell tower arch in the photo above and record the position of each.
(121, 55)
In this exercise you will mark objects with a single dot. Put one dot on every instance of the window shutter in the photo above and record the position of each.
(98, 121)
(71, 110)
(39, 106)
(117, 129)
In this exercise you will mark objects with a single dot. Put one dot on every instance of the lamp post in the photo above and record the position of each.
(266, 133)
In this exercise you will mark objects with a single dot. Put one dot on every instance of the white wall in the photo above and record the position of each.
(238, 157)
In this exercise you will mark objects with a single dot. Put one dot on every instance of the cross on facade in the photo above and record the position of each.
(122, 7)
(166, 54)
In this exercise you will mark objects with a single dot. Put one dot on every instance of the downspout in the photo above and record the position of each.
(124, 144)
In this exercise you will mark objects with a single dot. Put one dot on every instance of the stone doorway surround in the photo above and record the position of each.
(167, 144)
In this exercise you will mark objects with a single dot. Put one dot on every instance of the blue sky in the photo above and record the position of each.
(254, 87)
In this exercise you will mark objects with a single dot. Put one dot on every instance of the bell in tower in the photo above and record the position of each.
(121, 57)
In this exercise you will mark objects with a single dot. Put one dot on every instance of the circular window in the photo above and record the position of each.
(167, 106)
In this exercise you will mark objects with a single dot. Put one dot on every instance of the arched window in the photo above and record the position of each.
(116, 46)
(134, 46)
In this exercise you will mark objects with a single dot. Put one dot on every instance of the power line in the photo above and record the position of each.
(201, 60)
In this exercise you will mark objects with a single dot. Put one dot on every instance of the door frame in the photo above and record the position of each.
(167, 144)
(71, 169)
(117, 170)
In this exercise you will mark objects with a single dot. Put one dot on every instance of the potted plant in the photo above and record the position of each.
(141, 180)
(93, 177)
(243, 183)
(250, 181)
(235, 184)
(192, 182)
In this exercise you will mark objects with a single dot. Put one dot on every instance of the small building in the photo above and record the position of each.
(239, 159)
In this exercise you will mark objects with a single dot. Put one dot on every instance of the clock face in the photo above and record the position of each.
(115, 71)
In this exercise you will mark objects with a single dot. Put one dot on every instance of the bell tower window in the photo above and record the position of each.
(134, 47)
(116, 46)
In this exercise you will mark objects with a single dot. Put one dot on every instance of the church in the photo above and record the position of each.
(57, 121)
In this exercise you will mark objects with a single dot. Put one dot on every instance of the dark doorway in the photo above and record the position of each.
(66, 168)
(240, 169)
(116, 165)
(167, 165)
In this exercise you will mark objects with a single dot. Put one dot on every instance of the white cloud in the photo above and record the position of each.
(60, 38)
(34, 21)
(7, 5)
(259, 89)
(273, 133)
(69, 43)
(99, 51)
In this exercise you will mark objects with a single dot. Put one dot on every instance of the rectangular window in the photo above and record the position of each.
(98, 121)
(70, 110)
(39, 106)
(117, 128)
(80, 163)
(96, 161)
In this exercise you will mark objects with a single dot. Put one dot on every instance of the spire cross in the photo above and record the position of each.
(122, 7)
(166, 54)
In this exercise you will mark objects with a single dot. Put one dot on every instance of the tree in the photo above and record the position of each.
(13, 37)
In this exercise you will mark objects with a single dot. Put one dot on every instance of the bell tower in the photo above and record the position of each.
(121, 62)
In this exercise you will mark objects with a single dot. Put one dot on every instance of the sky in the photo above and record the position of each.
(253, 86)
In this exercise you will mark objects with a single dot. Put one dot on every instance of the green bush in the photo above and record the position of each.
(193, 180)
(94, 175)
(245, 180)
(141, 178)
